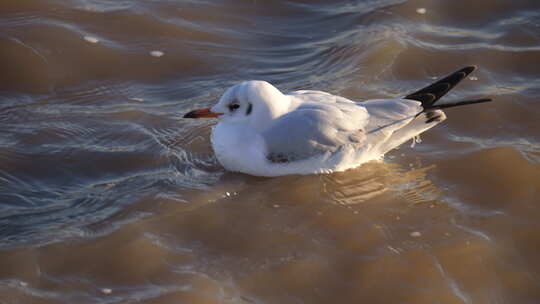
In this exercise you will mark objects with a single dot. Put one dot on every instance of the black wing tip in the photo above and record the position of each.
(462, 103)
(484, 100)
(440, 87)
(454, 78)
(469, 69)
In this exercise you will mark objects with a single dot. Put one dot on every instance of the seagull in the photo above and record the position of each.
(264, 132)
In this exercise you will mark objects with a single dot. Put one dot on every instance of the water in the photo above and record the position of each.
(109, 196)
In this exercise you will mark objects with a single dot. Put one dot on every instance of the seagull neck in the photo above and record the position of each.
(265, 116)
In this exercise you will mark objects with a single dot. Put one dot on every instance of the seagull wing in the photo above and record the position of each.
(394, 121)
(315, 127)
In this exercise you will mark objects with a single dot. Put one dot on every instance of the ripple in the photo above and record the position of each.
(376, 180)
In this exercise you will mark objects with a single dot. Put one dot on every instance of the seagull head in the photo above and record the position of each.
(254, 102)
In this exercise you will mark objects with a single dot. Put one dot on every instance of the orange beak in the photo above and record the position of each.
(202, 113)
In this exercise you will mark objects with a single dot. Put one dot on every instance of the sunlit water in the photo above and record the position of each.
(109, 196)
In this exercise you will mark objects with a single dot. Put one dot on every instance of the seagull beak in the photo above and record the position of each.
(202, 113)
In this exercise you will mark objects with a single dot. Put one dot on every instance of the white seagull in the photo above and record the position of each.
(264, 132)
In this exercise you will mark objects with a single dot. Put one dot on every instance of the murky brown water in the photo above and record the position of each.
(109, 196)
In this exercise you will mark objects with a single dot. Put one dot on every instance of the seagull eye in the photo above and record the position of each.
(233, 106)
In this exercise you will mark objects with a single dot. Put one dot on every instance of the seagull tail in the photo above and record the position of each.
(429, 95)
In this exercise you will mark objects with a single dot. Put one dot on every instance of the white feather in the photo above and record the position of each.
(305, 132)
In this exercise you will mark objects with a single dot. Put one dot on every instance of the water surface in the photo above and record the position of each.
(108, 196)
